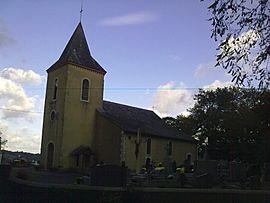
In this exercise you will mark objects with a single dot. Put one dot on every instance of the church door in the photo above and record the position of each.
(50, 152)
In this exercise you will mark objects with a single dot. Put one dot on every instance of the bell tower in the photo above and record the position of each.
(74, 91)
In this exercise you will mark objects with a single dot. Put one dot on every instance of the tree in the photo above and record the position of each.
(2, 141)
(242, 28)
(183, 123)
(230, 123)
(233, 123)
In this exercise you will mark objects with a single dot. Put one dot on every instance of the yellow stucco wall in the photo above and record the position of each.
(52, 131)
(108, 141)
(179, 150)
(79, 116)
(76, 120)
(114, 146)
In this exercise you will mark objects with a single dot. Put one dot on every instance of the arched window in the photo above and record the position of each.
(148, 146)
(53, 115)
(50, 152)
(188, 156)
(55, 88)
(169, 148)
(85, 90)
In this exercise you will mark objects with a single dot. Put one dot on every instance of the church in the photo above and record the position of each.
(80, 129)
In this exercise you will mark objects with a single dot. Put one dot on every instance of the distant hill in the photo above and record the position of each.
(21, 155)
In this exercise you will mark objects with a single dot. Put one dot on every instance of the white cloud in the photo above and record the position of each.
(242, 42)
(13, 97)
(217, 84)
(17, 122)
(24, 77)
(3, 126)
(23, 139)
(240, 47)
(172, 99)
(243, 51)
(130, 19)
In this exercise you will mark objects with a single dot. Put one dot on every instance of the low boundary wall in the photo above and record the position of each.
(17, 190)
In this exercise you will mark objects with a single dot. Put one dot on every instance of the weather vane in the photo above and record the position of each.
(81, 11)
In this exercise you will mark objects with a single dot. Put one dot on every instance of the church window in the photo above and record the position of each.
(85, 90)
(188, 156)
(55, 89)
(78, 160)
(53, 115)
(170, 148)
(148, 146)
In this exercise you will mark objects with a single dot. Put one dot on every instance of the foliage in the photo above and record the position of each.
(230, 123)
(243, 29)
(183, 123)
(2, 141)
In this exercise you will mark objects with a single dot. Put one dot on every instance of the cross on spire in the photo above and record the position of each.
(81, 11)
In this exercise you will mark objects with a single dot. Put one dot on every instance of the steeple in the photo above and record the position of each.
(77, 52)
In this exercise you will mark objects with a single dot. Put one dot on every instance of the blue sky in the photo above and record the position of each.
(143, 45)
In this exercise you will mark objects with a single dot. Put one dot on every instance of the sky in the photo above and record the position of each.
(156, 53)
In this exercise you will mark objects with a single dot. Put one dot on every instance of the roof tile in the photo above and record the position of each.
(77, 52)
(130, 119)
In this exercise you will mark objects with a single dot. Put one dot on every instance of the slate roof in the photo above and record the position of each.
(77, 52)
(130, 118)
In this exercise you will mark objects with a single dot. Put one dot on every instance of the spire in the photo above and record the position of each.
(77, 52)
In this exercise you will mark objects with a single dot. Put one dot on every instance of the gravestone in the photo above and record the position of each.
(109, 176)
(167, 161)
(237, 171)
(206, 172)
(223, 170)
(168, 165)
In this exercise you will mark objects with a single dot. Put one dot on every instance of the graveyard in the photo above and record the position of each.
(207, 180)
(170, 103)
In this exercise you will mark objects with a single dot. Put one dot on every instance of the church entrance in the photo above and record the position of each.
(50, 152)
(84, 158)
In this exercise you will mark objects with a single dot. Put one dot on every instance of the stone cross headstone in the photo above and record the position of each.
(237, 171)
(206, 172)
(167, 160)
